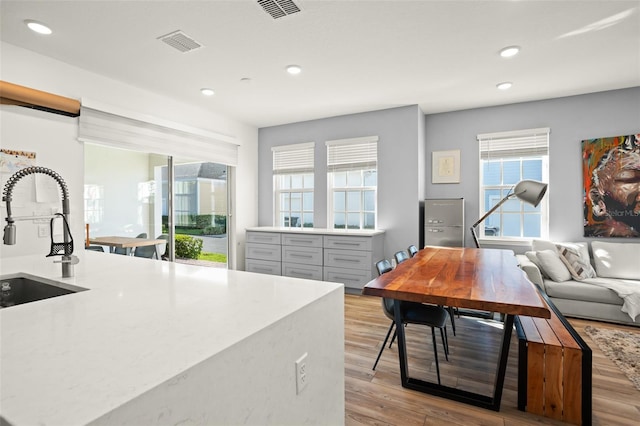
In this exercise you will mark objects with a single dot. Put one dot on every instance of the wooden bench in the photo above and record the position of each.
(554, 368)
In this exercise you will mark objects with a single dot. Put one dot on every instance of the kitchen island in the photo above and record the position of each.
(155, 342)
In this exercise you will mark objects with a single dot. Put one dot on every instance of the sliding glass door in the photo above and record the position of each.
(127, 193)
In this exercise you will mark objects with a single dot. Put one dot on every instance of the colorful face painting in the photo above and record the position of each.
(611, 179)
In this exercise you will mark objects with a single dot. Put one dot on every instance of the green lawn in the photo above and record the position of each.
(213, 257)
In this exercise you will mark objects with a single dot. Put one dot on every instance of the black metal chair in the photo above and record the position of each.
(401, 256)
(413, 250)
(95, 248)
(414, 313)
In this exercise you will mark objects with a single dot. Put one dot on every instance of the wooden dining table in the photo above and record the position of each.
(125, 242)
(479, 279)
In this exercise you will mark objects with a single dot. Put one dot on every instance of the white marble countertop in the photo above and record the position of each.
(73, 358)
(319, 231)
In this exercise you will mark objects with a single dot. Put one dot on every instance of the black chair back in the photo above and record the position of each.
(413, 250)
(383, 266)
(401, 256)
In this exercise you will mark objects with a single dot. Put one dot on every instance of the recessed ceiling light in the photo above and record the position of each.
(510, 51)
(505, 85)
(38, 27)
(207, 92)
(294, 69)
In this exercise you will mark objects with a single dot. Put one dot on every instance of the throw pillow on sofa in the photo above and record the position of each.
(617, 260)
(576, 259)
(553, 266)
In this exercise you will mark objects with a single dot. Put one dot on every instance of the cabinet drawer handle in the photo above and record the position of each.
(302, 273)
(338, 243)
(264, 251)
(339, 259)
(258, 268)
(301, 241)
(305, 256)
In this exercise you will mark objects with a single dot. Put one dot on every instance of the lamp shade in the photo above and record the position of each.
(530, 191)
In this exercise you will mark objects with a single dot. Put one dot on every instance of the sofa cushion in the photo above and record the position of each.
(575, 256)
(533, 258)
(553, 266)
(539, 245)
(617, 260)
(581, 290)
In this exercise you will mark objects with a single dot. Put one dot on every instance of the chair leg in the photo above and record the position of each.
(452, 316)
(384, 344)
(435, 352)
(445, 342)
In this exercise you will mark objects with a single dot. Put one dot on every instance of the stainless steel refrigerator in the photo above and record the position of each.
(444, 222)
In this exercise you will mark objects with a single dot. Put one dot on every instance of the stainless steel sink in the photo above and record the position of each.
(16, 289)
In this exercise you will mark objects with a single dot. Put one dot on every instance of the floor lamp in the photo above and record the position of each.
(529, 191)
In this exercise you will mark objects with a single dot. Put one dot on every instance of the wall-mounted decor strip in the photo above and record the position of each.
(14, 94)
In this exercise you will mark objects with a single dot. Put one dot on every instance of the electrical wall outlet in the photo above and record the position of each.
(302, 376)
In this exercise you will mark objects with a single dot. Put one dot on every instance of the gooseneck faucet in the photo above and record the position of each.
(9, 238)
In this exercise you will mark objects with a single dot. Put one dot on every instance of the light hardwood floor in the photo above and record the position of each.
(377, 397)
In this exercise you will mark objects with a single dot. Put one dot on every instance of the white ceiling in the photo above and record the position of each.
(356, 55)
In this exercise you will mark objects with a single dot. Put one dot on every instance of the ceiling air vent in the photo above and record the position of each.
(279, 8)
(181, 41)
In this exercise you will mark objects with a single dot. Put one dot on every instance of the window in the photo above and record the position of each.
(506, 158)
(353, 182)
(293, 185)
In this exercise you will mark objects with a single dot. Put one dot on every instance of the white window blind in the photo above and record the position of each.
(151, 135)
(295, 158)
(521, 143)
(351, 154)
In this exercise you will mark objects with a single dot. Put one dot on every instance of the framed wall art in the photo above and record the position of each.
(611, 186)
(445, 166)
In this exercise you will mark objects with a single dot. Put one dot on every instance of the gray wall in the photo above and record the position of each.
(399, 166)
(407, 139)
(570, 119)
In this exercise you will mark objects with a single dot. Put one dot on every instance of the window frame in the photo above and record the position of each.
(290, 161)
(520, 145)
(352, 155)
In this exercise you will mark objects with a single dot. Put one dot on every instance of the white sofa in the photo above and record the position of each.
(599, 281)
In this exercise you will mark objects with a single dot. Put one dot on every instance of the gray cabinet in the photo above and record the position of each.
(317, 254)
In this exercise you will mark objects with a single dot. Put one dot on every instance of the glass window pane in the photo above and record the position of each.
(284, 202)
(369, 221)
(511, 225)
(491, 198)
(532, 169)
(307, 220)
(513, 205)
(339, 201)
(529, 208)
(511, 172)
(307, 201)
(296, 201)
(286, 182)
(491, 172)
(340, 179)
(284, 219)
(354, 178)
(354, 202)
(369, 201)
(532, 225)
(296, 181)
(339, 220)
(492, 225)
(370, 178)
(308, 181)
(353, 220)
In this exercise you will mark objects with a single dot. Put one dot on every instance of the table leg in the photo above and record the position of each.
(489, 402)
